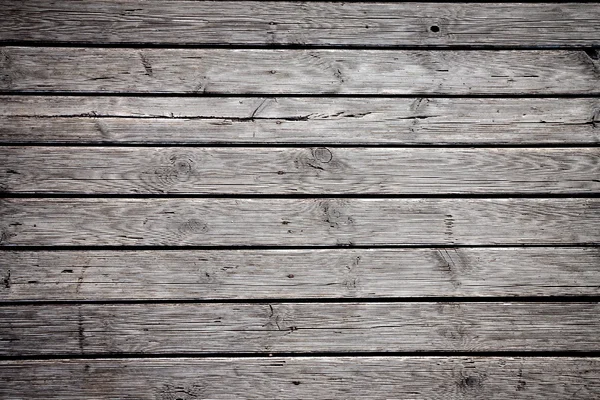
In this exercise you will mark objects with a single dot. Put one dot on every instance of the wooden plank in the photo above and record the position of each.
(302, 23)
(502, 378)
(208, 328)
(293, 120)
(304, 222)
(237, 71)
(329, 120)
(315, 273)
(317, 170)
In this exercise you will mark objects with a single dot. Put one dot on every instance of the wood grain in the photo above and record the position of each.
(315, 273)
(501, 378)
(243, 71)
(303, 222)
(302, 23)
(296, 120)
(317, 170)
(193, 328)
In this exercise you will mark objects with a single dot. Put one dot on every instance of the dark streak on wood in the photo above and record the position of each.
(354, 121)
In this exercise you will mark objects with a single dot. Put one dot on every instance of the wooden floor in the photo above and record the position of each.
(237, 199)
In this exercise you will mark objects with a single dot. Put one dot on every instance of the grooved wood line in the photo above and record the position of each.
(297, 120)
(298, 327)
(290, 274)
(302, 222)
(502, 378)
(256, 71)
(317, 170)
(302, 23)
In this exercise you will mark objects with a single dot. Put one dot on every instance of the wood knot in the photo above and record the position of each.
(181, 164)
(179, 169)
(322, 155)
(470, 383)
(334, 215)
(193, 226)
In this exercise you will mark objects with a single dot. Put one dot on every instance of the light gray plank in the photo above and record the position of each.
(499, 378)
(315, 273)
(317, 170)
(237, 71)
(302, 23)
(280, 222)
(329, 120)
(193, 328)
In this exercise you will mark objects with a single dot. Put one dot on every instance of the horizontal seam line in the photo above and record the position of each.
(301, 95)
(309, 247)
(309, 196)
(582, 45)
(361, 300)
(525, 353)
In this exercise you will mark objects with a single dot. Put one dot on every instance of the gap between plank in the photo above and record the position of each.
(91, 356)
(309, 247)
(285, 46)
(306, 95)
(445, 299)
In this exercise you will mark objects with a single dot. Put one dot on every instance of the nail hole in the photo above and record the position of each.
(434, 28)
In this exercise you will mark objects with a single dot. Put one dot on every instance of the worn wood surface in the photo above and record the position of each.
(183, 181)
(256, 71)
(302, 23)
(500, 378)
(289, 274)
(192, 328)
(305, 222)
(317, 170)
(297, 120)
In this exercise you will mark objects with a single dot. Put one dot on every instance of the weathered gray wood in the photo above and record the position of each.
(317, 170)
(315, 273)
(280, 222)
(501, 378)
(329, 120)
(227, 71)
(302, 23)
(193, 328)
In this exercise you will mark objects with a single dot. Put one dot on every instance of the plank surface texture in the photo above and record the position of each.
(501, 378)
(313, 273)
(300, 222)
(299, 199)
(317, 170)
(298, 327)
(302, 23)
(297, 120)
(290, 71)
